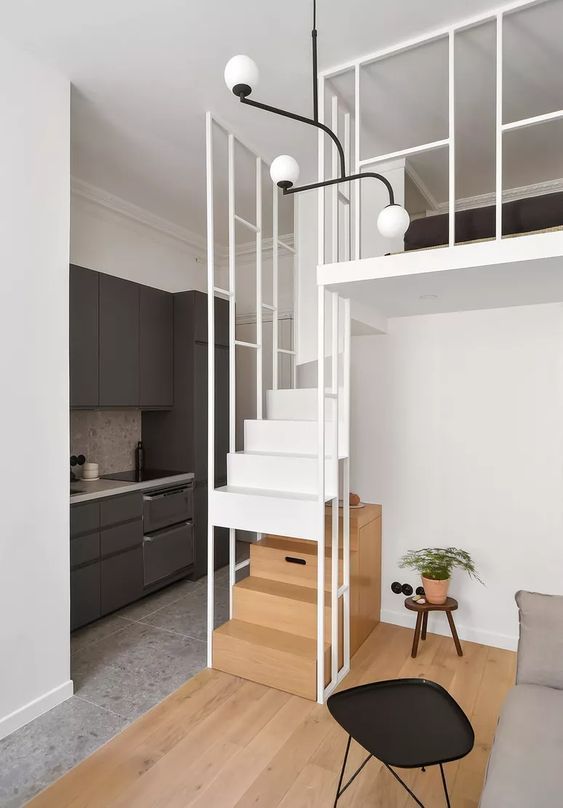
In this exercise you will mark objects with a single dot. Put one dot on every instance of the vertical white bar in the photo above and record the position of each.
(275, 253)
(347, 246)
(346, 484)
(210, 384)
(232, 347)
(321, 412)
(320, 490)
(259, 391)
(499, 128)
(321, 176)
(334, 472)
(232, 291)
(357, 191)
(335, 188)
(451, 135)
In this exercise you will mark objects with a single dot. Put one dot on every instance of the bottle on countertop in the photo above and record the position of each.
(139, 460)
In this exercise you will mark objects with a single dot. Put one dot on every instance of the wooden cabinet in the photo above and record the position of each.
(365, 569)
(83, 325)
(84, 564)
(155, 349)
(119, 342)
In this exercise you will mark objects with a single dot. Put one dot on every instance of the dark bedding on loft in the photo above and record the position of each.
(521, 216)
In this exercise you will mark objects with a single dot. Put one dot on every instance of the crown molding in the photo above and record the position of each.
(196, 244)
(116, 204)
(508, 195)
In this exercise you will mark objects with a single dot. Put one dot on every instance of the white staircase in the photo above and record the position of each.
(293, 637)
(272, 486)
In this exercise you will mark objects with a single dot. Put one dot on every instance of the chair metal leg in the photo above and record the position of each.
(405, 786)
(444, 783)
(340, 791)
(342, 770)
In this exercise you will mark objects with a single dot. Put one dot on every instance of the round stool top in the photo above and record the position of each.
(449, 606)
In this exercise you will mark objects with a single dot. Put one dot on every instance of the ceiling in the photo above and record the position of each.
(516, 283)
(145, 71)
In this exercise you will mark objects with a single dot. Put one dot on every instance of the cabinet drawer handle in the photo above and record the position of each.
(293, 560)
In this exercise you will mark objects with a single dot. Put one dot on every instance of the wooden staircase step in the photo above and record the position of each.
(279, 605)
(291, 561)
(274, 658)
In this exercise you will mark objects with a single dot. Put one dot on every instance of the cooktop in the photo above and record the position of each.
(140, 476)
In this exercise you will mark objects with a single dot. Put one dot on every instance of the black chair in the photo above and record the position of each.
(404, 723)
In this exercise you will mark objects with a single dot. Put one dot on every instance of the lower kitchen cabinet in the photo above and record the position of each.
(84, 595)
(121, 579)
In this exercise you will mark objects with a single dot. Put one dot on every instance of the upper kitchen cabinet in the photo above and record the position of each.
(200, 319)
(156, 348)
(119, 372)
(83, 301)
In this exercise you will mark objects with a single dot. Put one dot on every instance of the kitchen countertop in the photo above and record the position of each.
(82, 491)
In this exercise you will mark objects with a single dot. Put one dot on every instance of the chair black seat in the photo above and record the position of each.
(405, 723)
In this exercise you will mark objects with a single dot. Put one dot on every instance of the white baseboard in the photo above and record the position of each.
(469, 633)
(33, 709)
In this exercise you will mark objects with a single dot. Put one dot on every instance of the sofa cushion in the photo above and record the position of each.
(526, 764)
(540, 649)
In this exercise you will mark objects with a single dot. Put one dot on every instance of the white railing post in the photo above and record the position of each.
(499, 84)
(275, 254)
(259, 391)
(334, 475)
(321, 490)
(232, 345)
(346, 485)
(210, 386)
(451, 135)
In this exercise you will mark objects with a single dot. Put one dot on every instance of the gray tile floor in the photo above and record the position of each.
(122, 666)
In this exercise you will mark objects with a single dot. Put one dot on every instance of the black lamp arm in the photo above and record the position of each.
(384, 180)
(302, 119)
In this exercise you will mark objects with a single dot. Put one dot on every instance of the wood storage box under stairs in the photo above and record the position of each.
(271, 638)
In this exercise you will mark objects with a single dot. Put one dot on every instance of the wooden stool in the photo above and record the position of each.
(422, 620)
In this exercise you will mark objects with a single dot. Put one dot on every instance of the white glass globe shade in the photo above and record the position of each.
(241, 70)
(284, 169)
(393, 221)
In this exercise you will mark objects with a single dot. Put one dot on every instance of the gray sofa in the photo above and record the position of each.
(526, 764)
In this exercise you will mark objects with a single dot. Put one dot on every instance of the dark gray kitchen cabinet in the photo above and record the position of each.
(177, 439)
(156, 348)
(119, 342)
(121, 579)
(84, 595)
(106, 556)
(83, 303)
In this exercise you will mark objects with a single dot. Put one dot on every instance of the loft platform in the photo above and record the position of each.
(519, 271)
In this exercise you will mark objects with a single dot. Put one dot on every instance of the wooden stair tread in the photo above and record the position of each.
(283, 641)
(280, 589)
(288, 545)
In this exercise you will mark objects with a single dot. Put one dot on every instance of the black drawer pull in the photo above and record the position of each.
(293, 560)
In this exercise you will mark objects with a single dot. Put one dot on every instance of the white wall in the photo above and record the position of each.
(108, 241)
(457, 429)
(34, 544)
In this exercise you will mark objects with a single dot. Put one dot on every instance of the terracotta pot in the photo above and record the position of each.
(435, 591)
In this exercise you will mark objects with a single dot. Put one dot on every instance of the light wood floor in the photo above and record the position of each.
(220, 741)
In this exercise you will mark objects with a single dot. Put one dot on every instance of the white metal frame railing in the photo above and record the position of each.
(444, 33)
(339, 396)
(230, 294)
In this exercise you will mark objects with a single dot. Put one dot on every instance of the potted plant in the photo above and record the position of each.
(435, 565)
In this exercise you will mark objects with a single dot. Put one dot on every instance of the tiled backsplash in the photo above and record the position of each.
(106, 437)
